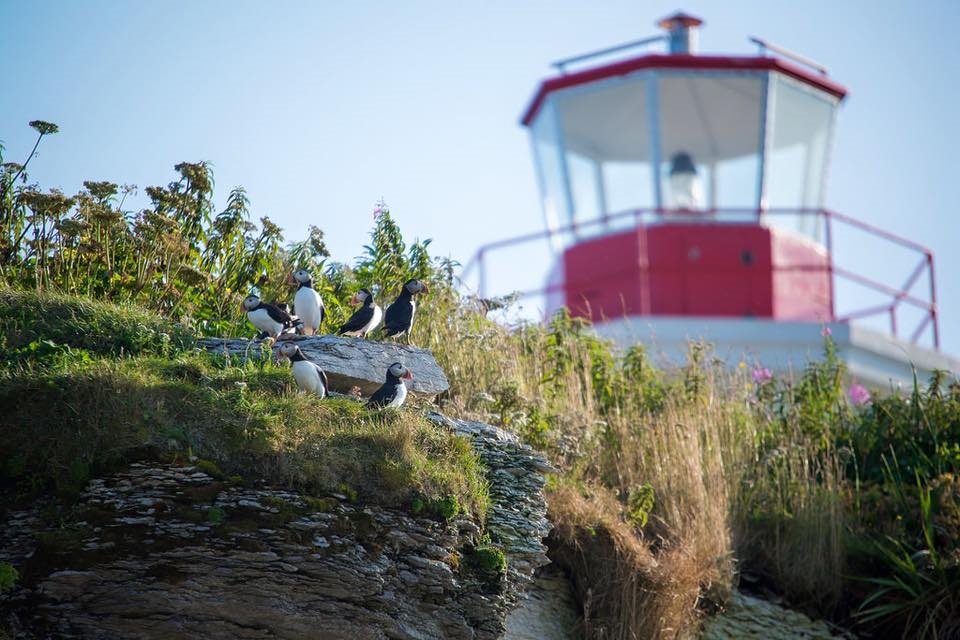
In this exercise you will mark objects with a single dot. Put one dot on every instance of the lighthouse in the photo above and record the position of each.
(683, 199)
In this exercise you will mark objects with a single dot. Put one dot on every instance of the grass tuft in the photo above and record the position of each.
(49, 329)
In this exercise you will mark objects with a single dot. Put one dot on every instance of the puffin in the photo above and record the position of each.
(399, 316)
(309, 376)
(269, 319)
(307, 304)
(365, 319)
(394, 391)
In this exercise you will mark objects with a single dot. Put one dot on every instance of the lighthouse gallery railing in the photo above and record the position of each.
(895, 297)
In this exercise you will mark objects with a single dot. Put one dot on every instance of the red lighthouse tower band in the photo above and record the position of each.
(683, 198)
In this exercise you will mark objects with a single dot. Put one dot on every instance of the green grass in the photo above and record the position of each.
(49, 329)
(62, 426)
(68, 419)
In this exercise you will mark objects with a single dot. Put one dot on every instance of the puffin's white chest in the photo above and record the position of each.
(374, 320)
(262, 321)
(308, 378)
(399, 395)
(306, 306)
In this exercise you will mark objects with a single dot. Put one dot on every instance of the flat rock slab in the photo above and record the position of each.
(349, 362)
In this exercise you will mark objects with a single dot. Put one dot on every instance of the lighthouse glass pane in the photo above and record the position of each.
(801, 124)
(629, 193)
(549, 161)
(584, 191)
(710, 142)
(605, 133)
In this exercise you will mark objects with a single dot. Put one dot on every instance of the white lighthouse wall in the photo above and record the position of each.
(874, 359)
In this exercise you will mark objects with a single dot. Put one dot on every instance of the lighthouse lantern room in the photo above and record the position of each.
(721, 160)
(684, 199)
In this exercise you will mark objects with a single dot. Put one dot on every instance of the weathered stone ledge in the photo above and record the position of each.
(348, 362)
(517, 520)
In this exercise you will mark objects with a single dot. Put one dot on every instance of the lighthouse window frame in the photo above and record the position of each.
(602, 183)
(547, 145)
(799, 139)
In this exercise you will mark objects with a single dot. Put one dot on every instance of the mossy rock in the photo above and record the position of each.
(489, 560)
(211, 469)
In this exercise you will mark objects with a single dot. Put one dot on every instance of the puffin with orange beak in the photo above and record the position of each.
(307, 304)
(308, 374)
(365, 319)
(398, 319)
(394, 391)
(269, 319)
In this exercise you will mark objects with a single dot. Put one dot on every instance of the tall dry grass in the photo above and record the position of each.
(790, 517)
(682, 453)
(736, 486)
(626, 590)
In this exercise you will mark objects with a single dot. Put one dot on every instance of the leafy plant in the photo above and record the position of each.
(640, 502)
(387, 262)
(923, 428)
(448, 507)
(176, 257)
(15, 171)
(8, 576)
(920, 594)
(216, 515)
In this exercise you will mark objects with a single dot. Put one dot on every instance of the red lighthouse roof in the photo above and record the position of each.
(680, 62)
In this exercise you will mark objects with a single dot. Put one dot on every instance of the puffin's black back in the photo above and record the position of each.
(360, 317)
(399, 315)
(276, 313)
(386, 392)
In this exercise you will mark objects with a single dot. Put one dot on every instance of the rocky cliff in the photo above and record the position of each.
(162, 551)
(180, 551)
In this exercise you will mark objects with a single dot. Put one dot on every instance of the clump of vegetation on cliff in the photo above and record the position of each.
(98, 311)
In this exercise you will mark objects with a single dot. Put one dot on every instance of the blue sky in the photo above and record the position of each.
(319, 109)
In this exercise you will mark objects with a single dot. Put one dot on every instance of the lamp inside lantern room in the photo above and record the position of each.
(686, 189)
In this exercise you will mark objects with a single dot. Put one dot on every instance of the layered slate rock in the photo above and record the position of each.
(349, 362)
(164, 551)
(517, 520)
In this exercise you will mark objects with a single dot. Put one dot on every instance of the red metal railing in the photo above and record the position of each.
(896, 297)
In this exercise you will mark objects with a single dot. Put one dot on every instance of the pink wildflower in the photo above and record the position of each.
(859, 395)
(380, 209)
(826, 332)
(761, 375)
